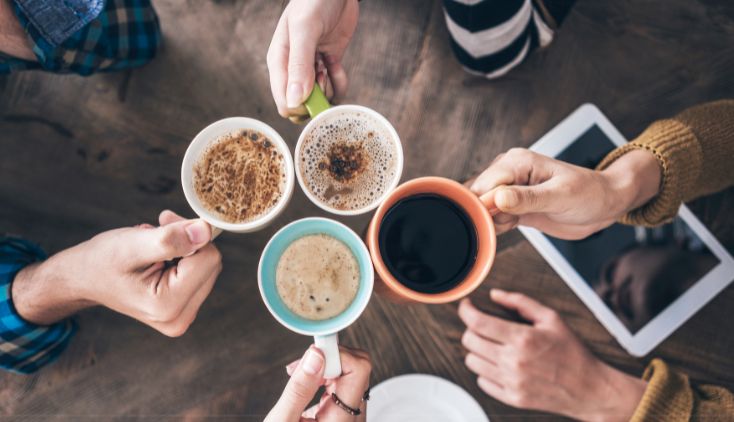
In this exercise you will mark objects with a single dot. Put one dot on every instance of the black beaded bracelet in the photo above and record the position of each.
(343, 406)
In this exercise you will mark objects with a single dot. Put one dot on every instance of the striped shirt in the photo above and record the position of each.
(25, 347)
(116, 34)
(491, 37)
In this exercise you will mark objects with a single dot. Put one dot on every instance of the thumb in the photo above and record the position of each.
(301, 388)
(528, 308)
(519, 200)
(150, 245)
(301, 63)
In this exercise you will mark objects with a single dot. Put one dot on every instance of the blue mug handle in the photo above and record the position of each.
(329, 346)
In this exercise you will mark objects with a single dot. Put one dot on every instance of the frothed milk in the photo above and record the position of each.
(348, 161)
(317, 277)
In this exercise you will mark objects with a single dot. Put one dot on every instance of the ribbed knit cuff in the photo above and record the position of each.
(668, 396)
(680, 157)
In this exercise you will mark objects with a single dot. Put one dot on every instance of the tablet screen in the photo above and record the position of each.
(636, 271)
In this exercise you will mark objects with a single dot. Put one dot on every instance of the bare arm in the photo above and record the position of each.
(13, 39)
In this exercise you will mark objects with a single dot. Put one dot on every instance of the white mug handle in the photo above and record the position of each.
(329, 346)
(216, 231)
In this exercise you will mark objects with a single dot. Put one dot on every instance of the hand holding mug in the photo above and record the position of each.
(308, 32)
(129, 270)
(306, 378)
(542, 365)
(561, 199)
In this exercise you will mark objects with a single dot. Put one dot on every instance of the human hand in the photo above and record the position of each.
(13, 39)
(542, 365)
(561, 199)
(311, 36)
(306, 378)
(130, 270)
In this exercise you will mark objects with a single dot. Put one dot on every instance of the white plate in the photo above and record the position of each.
(422, 398)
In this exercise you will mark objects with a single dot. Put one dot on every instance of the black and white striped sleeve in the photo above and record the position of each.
(490, 37)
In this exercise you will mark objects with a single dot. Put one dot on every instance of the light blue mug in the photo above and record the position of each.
(326, 331)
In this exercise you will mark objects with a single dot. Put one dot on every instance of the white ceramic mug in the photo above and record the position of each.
(199, 146)
(320, 111)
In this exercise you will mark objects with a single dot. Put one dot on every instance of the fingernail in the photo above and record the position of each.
(294, 95)
(312, 362)
(198, 232)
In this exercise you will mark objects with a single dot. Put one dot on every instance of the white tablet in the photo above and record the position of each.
(642, 284)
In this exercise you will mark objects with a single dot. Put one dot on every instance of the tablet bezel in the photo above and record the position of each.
(690, 302)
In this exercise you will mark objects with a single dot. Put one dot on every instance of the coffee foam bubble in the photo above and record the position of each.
(348, 161)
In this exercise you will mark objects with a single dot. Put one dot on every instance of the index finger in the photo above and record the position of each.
(498, 173)
(193, 271)
(488, 326)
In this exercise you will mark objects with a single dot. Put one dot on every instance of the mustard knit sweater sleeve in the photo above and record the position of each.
(694, 150)
(671, 397)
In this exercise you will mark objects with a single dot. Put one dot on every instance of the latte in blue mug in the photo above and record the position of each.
(316, 277)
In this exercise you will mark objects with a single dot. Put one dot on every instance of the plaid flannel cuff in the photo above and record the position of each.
(25, 347)
(125, 34)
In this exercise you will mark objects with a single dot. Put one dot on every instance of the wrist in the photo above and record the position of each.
(43, 294)
(632, 180)
(616, 396)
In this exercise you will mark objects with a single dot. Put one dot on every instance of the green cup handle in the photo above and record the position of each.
(316, 102)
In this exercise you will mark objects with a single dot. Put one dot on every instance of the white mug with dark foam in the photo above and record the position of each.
(348, 158)
(207, 139)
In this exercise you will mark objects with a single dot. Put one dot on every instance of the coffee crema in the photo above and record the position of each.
(240, 177)
(317, 277)
(348, 161)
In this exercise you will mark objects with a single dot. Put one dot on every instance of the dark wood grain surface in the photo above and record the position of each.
(82, 155)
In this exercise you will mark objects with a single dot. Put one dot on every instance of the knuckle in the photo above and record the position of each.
(520, 398)
(175, 330)
(515, 365)
(474, 321)
(553, 317)
(166, 240)
(518, 152)
(521, 365)
(161, 312)
(524, 341)
(366, 365)
(465, 339)
(468, 360)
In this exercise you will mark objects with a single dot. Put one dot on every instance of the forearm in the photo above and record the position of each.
(43, 295)
(13, 39)
(694, 151)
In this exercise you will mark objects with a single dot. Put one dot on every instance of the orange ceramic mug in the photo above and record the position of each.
(389, 286)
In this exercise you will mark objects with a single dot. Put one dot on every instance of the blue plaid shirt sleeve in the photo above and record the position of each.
(125, 33)
(25, 347)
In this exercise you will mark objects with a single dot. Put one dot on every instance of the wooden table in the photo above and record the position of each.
(82, 155)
